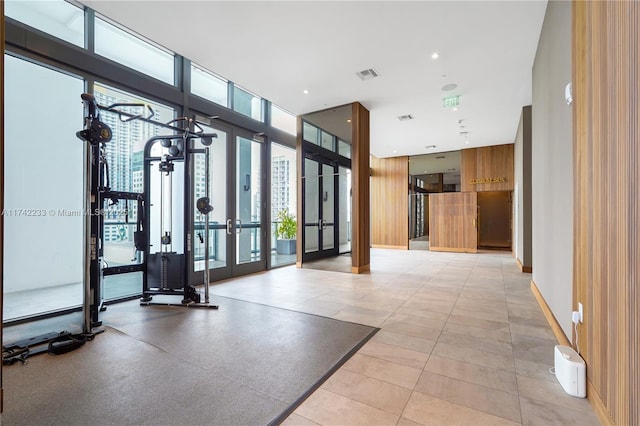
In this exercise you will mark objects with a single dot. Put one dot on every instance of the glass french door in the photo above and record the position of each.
(236, 184)
(247, 226)
(320, 206)
(344, 212)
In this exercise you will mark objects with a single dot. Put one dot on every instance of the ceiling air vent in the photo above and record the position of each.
(367, 74)
(405, 117)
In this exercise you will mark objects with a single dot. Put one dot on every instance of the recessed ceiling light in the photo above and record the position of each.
(395, 150)
(348, 120)
(454, 108)
(305, 91)
(435, 55)
(449, 86)
(467, 142)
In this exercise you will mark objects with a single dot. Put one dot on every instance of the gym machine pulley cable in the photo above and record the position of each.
(97, 133)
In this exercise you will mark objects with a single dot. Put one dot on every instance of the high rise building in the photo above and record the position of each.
(280, 191)
(124, 156)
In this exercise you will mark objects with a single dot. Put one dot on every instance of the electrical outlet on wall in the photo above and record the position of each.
(575, 317)
(580, 312)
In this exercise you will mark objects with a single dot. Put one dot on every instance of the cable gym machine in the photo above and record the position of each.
(164, 270)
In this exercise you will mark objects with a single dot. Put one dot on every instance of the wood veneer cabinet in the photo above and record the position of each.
(452, 222)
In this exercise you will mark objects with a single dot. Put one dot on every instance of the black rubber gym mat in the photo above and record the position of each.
(244, 364)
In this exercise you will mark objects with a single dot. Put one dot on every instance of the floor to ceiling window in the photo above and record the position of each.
(130, 50)
(283, 205)
(64, 51)
(43, 172)
(124, 157)
(58, 18)
(217, 198)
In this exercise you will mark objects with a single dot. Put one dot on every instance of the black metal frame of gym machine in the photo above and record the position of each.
(97, 193)
(166, 166)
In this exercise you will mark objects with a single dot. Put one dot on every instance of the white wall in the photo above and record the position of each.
(522, 190)
(518, 202)
(552, 161)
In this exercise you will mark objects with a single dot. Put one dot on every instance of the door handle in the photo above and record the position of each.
(229, 226)
(238, 226)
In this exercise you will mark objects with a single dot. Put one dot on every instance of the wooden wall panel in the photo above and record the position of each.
(361, 213)
(487, 162)
(452, 222)
(470, 225)
(390, 202)
(606, 110)
(360, 190)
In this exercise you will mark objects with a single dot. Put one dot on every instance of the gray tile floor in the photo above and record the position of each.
(463, 341)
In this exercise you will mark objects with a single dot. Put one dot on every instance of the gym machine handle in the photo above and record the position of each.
(94, 113)
(130, 117)
(139, 235)
(198, 131)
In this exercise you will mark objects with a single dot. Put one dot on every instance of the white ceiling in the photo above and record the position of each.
(279, 49)
(443, 162)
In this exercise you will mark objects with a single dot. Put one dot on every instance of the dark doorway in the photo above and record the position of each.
(494, 220)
